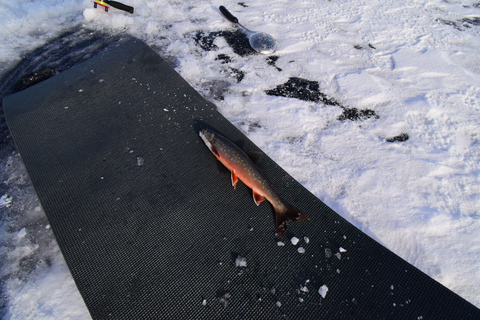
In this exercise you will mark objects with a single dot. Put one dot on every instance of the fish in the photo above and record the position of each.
(244, 169)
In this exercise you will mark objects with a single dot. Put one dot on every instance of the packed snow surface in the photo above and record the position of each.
(389, 136)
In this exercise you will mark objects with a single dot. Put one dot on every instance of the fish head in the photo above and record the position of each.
(207, 135)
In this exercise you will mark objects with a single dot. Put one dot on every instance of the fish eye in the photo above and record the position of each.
(209, 135)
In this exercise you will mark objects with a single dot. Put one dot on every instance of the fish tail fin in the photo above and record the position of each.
(286, 215)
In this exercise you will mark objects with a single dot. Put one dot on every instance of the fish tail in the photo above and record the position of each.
(286, 215)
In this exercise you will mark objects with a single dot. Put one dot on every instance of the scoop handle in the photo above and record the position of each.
(228, 15)
(119, 6)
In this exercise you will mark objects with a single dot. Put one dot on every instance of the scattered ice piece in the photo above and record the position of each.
(338, 271)
(101, 80)
(204, 302)
(21, 233)
(280, 244)
(338, 255)
(304, 289)
(5, 201)
(165, 109)
(323, 291)
(307, 281)
(306, 239)
(342, 250)
(140, 161)
(240, 261)
(301, 250)
(278, 304)
(81, 90)
(38, 209)
(345, 237)
(272, 291)
(294, 240)
(251, 229)
(47, 226)
(300, 299)
(223, 300)
(328, 253)
(391, 287)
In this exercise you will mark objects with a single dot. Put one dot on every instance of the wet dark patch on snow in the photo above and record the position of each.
(468, 22)
(252, 126)
(302, 89)
(272, 60)
(355, 114)
(359, 47)
(224, 58)
(237, 40)
(308, 90)
(237, 74)
(462, 24)
(400, 138)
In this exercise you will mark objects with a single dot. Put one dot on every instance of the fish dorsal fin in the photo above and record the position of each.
(234, 180)
(254, 155)
(258, 198)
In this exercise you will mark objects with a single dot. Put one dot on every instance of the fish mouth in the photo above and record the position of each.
(207, 136)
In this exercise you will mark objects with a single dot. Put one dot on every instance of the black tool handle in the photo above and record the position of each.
(228, 15)
(119, 6)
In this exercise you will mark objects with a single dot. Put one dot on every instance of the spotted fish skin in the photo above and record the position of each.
(244, 169)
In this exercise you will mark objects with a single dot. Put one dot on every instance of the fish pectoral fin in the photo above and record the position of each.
(258, 198)
(234, 180)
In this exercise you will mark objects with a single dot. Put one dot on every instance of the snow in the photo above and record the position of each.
(414, 64)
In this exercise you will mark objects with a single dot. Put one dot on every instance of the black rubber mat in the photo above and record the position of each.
(151, 228)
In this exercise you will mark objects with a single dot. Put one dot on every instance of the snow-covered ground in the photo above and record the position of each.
(405, 168)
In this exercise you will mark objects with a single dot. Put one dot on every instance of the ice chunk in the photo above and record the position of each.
(323, 291)
(5, 201)
(342, 250)
(240, 261)
(301, 250)
(21, 233)
(306, 239)
(280, 244)
(328, 253)
(140, 161)
(294, 240)
(338, 255)
(278, 304)
(304, 289)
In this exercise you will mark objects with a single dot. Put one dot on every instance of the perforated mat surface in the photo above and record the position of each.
(150, 227)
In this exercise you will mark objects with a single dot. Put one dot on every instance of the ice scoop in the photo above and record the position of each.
(260, 41)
